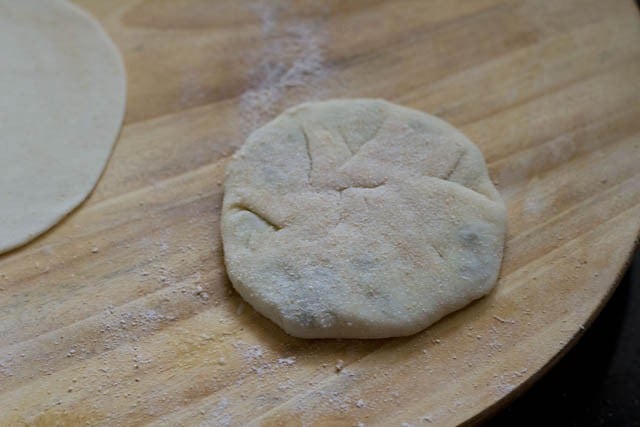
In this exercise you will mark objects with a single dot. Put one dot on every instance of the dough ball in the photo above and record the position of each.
(360, 219)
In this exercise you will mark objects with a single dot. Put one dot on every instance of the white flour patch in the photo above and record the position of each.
(289, 68)
(537, 199)
(251, 353)
(508, 381)
(220, 415)
(127, 326)
(5, 365)
(257, 361)
(287, 361)
(534, 203)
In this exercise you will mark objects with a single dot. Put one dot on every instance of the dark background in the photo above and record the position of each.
(598, 382)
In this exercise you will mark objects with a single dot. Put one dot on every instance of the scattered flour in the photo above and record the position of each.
(255, 360)
(219, 416)
(251, 353)
(537, 199)
(289, 68)
(287, 361)
(506, 382)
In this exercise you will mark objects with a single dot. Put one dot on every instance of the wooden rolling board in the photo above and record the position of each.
(123, 315)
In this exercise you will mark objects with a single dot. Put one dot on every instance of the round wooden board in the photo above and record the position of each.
(123, 315)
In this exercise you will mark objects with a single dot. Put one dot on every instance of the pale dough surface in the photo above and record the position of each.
(62, 102)
(360, 219)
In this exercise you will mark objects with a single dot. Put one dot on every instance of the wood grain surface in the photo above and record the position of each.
(123, 314)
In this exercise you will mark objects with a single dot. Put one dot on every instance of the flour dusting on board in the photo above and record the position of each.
(289, 68)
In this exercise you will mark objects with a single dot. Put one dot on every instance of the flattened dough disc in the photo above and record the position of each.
(63, 89)
(360, 219)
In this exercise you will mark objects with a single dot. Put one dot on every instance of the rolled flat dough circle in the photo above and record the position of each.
(360, 219)
(63, 89)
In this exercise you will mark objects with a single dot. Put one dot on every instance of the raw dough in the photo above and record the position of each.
(63, 99)
(360, 219)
